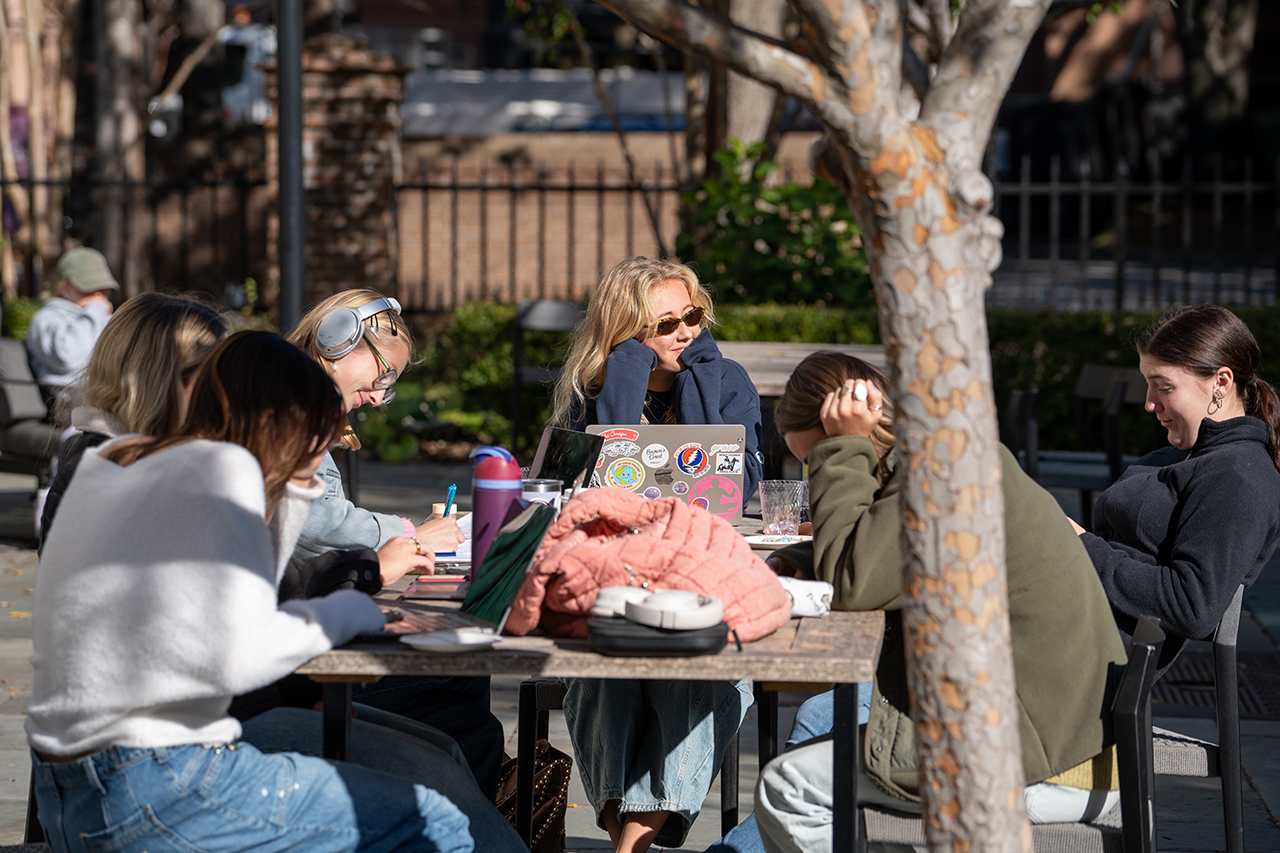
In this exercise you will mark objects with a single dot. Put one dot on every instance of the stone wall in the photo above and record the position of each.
(351, 163)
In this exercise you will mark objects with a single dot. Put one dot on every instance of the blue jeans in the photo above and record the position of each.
(653, 745)
(219, 800)
(398, 746)
(813, 719)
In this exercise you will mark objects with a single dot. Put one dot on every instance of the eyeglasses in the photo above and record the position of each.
(386, 379)
(692, 317)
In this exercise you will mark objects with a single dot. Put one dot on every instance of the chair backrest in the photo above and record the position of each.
(1132, 714)
(1021, 429)
(19, 395)
(1227, 706)
(538, 315)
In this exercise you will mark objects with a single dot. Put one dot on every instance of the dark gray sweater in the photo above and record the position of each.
(1181, 530)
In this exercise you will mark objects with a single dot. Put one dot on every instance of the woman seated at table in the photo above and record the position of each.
(649, 750)
(137, 379)
(1061, 655)
(1186, 525)
(644, 355)
(361, 340)
(160, 604)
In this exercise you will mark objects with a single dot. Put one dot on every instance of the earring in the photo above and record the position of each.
(1216, 404)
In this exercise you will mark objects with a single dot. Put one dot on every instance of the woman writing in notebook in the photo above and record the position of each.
(649, 750)
(644, 355)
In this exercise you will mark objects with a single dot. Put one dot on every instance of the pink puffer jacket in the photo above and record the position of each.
(612, 537)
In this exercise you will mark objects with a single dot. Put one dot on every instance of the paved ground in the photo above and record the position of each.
(1189, 813)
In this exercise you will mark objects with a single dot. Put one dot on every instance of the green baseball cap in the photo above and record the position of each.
(87, 271)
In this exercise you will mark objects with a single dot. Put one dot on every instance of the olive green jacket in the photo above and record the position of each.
(1066, 649)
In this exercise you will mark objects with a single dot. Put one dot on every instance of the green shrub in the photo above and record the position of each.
(17, 316)
(758, 243)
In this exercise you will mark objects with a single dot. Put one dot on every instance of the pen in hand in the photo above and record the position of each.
(448, 505)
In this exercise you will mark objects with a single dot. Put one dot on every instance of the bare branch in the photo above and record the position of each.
(885, 17)
(914, 71)
(939, 12)
(975, 72)
(703, 34)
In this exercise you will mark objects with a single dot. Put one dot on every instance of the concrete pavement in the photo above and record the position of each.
(1189, 812)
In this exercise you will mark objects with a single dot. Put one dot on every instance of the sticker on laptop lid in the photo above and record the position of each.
(621, 448)
(693, 460)
(729, 463)
(656, 455)
(626, 474)
(611, 434)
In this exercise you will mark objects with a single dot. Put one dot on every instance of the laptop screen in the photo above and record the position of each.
(565, 455)
(509, 559)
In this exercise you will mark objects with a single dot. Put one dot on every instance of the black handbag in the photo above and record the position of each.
(551, 771)
(621, 637)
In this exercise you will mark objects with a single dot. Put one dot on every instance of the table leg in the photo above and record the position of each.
(844, 753)
(337, 720)
(767, 719)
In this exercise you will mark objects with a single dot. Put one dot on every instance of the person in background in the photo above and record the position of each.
(1186, 525)
(182, 541)
(644, 354)
(361, 340)
(1064, 658)
(62, 333)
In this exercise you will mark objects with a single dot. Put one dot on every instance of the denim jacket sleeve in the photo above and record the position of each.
(335, 523)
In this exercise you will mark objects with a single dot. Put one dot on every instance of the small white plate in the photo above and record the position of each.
(451, 641)
(772, 541)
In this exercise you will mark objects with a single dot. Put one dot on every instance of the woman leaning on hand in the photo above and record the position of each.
(644, 355)
(1186, 525)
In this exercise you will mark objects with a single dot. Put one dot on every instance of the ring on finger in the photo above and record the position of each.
(875, 408)
(417, 546)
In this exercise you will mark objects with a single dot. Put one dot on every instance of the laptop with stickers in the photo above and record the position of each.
(701, 464)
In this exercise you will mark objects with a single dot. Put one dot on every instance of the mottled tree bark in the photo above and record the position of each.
(923, 207)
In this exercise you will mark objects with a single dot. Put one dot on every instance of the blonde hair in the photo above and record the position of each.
(383, 329)
(145, 358)
(800, 406)
(621, 307)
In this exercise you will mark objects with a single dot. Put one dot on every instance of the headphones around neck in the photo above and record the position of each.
(341, 329)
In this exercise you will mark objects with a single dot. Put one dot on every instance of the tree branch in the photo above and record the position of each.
(975, 71)
(749, 53)
(939, 33)
(914, 71)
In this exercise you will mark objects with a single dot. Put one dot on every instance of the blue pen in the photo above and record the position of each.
(448, 504)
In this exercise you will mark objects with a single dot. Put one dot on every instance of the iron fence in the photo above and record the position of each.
(177, 234)
(505, 232)
(1125, 244)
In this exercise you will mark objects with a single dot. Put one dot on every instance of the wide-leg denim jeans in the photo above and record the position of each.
(198, 799)
(653, 745)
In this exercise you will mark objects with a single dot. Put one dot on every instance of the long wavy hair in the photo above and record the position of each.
(621, 307)
(799, 408)
(145, 358)
(382, 328)
(1203, 338)
(258, 391)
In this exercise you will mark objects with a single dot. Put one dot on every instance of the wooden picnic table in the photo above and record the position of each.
(840, 648)
(769, 364)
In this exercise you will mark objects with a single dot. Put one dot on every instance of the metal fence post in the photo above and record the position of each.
(1121, 213)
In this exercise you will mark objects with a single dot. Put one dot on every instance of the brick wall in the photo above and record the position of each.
(351, 163)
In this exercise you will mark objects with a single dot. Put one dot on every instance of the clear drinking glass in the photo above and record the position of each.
(780, 503)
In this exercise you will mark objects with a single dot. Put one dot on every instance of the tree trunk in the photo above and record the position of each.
(923, 209)
(36, 146)
(1217, 42)
(121, 154)
(750, 104)
(9, 167)
(65, 126)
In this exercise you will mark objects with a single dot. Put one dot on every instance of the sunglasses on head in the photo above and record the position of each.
(692, 317)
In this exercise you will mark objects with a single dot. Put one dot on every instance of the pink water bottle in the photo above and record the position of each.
(495, 484)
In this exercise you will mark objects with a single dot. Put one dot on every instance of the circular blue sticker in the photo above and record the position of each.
(680, 487)
(652, 493)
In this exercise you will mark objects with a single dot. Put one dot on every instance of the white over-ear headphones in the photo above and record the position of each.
(341, 329)
(676, 609)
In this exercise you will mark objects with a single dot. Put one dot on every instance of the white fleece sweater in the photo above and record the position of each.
(159, 605)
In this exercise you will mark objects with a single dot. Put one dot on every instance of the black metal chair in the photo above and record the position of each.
(1084, 469)
(27, 440)
(543, 316)
(1129, 828)
(1181, 755)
